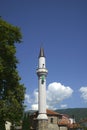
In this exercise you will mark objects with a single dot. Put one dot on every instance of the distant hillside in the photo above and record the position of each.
(78, 113)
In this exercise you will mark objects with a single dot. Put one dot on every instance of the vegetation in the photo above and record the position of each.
(11, 90)
(26, 125)
(78, 113)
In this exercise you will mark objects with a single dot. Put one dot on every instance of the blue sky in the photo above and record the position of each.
(60, 26)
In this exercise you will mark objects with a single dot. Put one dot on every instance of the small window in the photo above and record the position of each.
(43, 66)
(51, 120)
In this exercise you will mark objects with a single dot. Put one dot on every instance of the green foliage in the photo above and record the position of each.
(25, 125)
(84, 128)
(11, 91)
(8, 33)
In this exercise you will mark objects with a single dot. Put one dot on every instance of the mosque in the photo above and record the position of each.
(45, 119)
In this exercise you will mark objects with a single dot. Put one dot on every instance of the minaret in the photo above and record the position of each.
(42, 73)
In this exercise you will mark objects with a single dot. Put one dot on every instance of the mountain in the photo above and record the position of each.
(78, 113)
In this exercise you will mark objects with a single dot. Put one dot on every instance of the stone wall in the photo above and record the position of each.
(53, 124)
(42, 125)
(53, 127)
(63, 128)
(53, 119)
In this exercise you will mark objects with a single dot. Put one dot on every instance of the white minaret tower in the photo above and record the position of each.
(42, 73)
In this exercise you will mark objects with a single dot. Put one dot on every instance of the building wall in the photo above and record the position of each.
(53, 127)
(84, 124)
(63, 128)
(52, 123)
(53, 120)
(42, 125)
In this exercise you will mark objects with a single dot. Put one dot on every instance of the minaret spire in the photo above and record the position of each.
(41, 54)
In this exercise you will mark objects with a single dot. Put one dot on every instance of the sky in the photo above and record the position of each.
(60, 27)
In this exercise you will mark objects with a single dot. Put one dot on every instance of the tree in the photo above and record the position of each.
(25, 124)
(11, 90)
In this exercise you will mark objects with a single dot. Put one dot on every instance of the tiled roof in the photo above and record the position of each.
(51, 112)
(64, 121)
(74, 125)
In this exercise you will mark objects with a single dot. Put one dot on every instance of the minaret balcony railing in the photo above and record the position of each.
(41, 71)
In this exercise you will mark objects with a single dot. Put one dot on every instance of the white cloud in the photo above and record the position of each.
(83, 91)
(63, 106)
(32, 100)
(34, 106)
(56, 93)
(35, 96)
(27, 98)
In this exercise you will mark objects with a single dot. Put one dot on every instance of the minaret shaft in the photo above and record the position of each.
(42, 62)
(42, 73)
(42, 96)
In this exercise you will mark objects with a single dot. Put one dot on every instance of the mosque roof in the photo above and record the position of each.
(51, 112)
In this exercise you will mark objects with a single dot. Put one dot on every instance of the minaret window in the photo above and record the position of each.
(43, 66)
(42, 80)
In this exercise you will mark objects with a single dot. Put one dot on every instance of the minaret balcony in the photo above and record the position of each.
(41, 71)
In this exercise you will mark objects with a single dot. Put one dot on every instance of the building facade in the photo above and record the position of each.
(55, 121)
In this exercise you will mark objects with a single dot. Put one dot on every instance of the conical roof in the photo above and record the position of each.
(41, 54)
